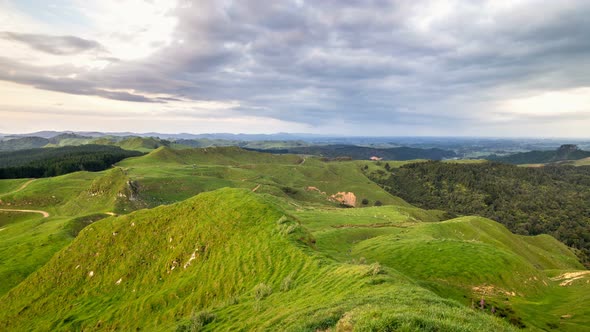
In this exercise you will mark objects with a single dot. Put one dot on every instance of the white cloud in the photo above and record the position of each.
(131, 29)
(549, 103)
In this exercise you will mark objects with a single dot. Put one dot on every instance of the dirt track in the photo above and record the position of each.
(22, 187)
(44, 213)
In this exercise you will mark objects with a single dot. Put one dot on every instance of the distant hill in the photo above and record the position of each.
(21, 143)
(364, 153)
(563, 153)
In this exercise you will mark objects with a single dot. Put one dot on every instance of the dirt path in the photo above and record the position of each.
(22, 187)
(44, 213)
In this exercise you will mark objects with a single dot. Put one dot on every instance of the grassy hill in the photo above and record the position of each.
(163, 177)
(28, 240)
(274, 253)
(223, 260)
(465, 259)
(166, 175)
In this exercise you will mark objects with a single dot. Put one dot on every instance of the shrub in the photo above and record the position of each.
(196, 322)
(287, 282)
(375, 269)
(378, 203)
(261, 291)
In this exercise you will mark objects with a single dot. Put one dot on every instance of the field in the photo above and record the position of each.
(160, 242)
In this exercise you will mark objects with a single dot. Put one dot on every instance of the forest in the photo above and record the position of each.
(362, 152)
(46, 162)
(547, 200)
(563, 153)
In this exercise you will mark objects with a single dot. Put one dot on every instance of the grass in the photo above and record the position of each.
(163, 172)
(281, 258)
(28, 241)
(8, 186)
(224, 253)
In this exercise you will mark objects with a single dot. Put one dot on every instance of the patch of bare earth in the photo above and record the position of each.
(346, 198)
(568, 278)
(491, 290)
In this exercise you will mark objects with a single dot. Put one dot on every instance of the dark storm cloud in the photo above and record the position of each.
(57, 45)
(357, 61)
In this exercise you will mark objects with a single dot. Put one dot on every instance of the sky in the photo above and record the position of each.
(339, 67)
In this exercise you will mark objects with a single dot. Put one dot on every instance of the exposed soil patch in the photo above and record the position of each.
(569, 277)
(346, 198)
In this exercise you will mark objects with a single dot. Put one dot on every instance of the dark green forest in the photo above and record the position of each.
(565, 152)
(548, 200)
(361, 152)
(46, 162)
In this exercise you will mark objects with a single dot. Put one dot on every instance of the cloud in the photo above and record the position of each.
(369, 64)
(56, 45)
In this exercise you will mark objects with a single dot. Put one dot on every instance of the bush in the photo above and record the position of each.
(261, 291)
(375, 269)
(365, 201)
(378, 203)
(286, 283)
(197, 322)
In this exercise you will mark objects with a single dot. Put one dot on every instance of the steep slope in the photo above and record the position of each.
(224, 260)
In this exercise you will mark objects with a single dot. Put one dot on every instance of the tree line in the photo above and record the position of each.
(46, 162)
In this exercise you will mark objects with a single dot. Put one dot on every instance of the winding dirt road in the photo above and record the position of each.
(22, 187)
(44, 213)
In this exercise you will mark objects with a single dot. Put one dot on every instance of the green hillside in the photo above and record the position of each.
(163, 177)
(166, 175)
(224, 260)
(277, 252)
(28, 240)
(464, 259)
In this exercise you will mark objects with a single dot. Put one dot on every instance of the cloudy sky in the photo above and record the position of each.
(382, 68)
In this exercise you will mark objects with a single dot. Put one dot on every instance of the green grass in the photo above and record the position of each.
(207, 260)
(27, 241)
(168, 175)
(282, 258)
(8, 186)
